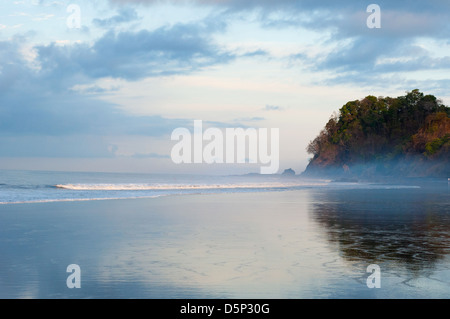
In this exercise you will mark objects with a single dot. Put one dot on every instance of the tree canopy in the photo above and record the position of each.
(384, 129)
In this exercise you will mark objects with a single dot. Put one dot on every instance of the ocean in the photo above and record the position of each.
(18, 187)
(249, 236)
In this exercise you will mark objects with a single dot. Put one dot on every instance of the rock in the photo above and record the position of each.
(288, 172)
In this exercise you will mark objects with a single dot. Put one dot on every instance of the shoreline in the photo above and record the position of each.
(345, 184)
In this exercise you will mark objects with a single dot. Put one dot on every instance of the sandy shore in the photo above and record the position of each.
(243, 245)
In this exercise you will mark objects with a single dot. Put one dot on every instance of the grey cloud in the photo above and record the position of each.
(255, 53)
(178, 49)
(99, 90)
(41, 116)
(305, 4)
(15, 71)
(414, 64)
(70, 125)
(348, 22)
(361, 54)
(343, 23)
(346, 17)
(26, 113)
(40, 103)
(391, 81)
(376, 56)
(124, 15)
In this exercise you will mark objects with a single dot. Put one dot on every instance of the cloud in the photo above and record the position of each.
(149, 155)
(272, 108)
(359, 52)
(346, 18)
(248, 119)
(50, 102)
(70, 125)
(43, 17)
(49, 114)
(47, 3)
(40, 115)
(255, 53)
(370, 59)
(302, 5)
(124, 15)
(95, 89)
(79, 146)
(43, 112)
(168, 50)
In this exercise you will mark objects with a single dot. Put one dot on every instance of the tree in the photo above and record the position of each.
(381, 129)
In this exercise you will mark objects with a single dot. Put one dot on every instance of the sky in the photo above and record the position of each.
(101, 85)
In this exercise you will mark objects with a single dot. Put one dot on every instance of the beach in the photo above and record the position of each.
(307, 243)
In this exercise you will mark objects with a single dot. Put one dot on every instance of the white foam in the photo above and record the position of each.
(74, 200)
(132, 187)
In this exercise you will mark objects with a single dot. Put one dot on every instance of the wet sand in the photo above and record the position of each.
(307, 243)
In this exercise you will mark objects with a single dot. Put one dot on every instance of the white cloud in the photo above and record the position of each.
(43, 17)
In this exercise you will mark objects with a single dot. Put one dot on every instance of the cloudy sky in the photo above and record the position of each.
(100, 85)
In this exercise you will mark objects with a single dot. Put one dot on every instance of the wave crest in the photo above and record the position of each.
(135, 187)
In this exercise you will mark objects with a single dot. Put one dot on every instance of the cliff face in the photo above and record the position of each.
(406, 136)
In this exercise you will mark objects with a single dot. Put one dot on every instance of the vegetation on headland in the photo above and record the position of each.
(405, 136)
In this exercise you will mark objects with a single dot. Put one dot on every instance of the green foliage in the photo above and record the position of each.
(381, 128)
(432, 147)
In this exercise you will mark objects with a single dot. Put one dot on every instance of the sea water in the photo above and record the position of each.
(45, 186)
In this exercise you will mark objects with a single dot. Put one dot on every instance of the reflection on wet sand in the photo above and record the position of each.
(308, 243)
(404, 228)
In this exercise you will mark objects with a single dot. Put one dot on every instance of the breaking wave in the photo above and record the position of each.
(137, 187)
